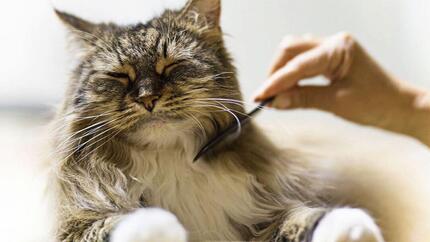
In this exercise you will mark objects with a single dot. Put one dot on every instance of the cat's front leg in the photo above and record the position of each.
(97, 205)
(328, 225)
(298, 225)
(149, 225)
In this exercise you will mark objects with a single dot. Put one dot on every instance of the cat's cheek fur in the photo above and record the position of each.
(149, 225)
(347, 225)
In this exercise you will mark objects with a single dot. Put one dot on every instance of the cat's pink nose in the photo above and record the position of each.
(148, 101)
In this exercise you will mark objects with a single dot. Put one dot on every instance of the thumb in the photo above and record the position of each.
(322, 98)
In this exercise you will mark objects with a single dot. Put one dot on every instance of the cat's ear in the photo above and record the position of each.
(81, 29)
(210, 9)
(76, 24)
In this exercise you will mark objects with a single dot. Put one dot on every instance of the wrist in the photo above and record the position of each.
(412, 113)
(396, 105)
(418, 125)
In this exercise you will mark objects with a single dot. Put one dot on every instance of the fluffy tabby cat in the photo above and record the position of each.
(142, 101)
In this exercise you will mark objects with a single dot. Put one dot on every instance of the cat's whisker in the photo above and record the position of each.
(79, 146)
(68, 144)
(198, 90)
(224, 108)
(91, 142)
(55, 130)
(99, 124)
(222, 101)
(233, 110)
(97, 116)
(220, 75)
(118, 126)
(91, 130)
(231, 100)
(80, 158)
(79, 111)
(239, 125)
(199, 124)
(75, 145)
(237, 101)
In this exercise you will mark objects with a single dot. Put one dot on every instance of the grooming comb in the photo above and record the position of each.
(232, 130)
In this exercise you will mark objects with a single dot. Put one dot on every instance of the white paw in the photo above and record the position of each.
(347, 225)
(149, 225)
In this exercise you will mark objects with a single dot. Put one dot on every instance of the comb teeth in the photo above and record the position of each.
(231, 130)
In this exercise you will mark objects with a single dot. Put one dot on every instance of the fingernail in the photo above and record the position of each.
(257, 98)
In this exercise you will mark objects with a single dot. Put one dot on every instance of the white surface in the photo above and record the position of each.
(35, 63)
(23, 207)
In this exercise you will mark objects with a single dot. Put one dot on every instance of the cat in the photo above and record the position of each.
(140, 104)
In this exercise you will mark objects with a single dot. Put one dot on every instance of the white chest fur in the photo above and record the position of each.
(203, 199)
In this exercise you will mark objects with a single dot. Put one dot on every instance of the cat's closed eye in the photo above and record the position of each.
(169, 68)
(110, 81)
(121, 77)
(165, 67)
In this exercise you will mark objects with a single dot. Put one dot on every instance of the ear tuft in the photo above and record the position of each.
(211, 9)
(75, 23)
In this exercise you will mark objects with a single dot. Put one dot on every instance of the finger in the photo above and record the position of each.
(309, 64)
(323, 98)
(290, 49)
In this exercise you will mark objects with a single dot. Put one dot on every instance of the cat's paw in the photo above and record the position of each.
(347, 225)
(149, 225)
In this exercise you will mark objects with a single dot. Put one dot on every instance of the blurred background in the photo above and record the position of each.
(35, 64)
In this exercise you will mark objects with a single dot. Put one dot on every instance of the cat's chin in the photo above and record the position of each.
(156, 123)
(162, 132)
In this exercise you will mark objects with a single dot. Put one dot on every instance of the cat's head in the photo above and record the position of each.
(168, 76)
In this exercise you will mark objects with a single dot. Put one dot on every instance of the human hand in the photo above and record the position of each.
(360, 90)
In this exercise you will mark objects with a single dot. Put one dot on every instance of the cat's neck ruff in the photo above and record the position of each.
(198, 193)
